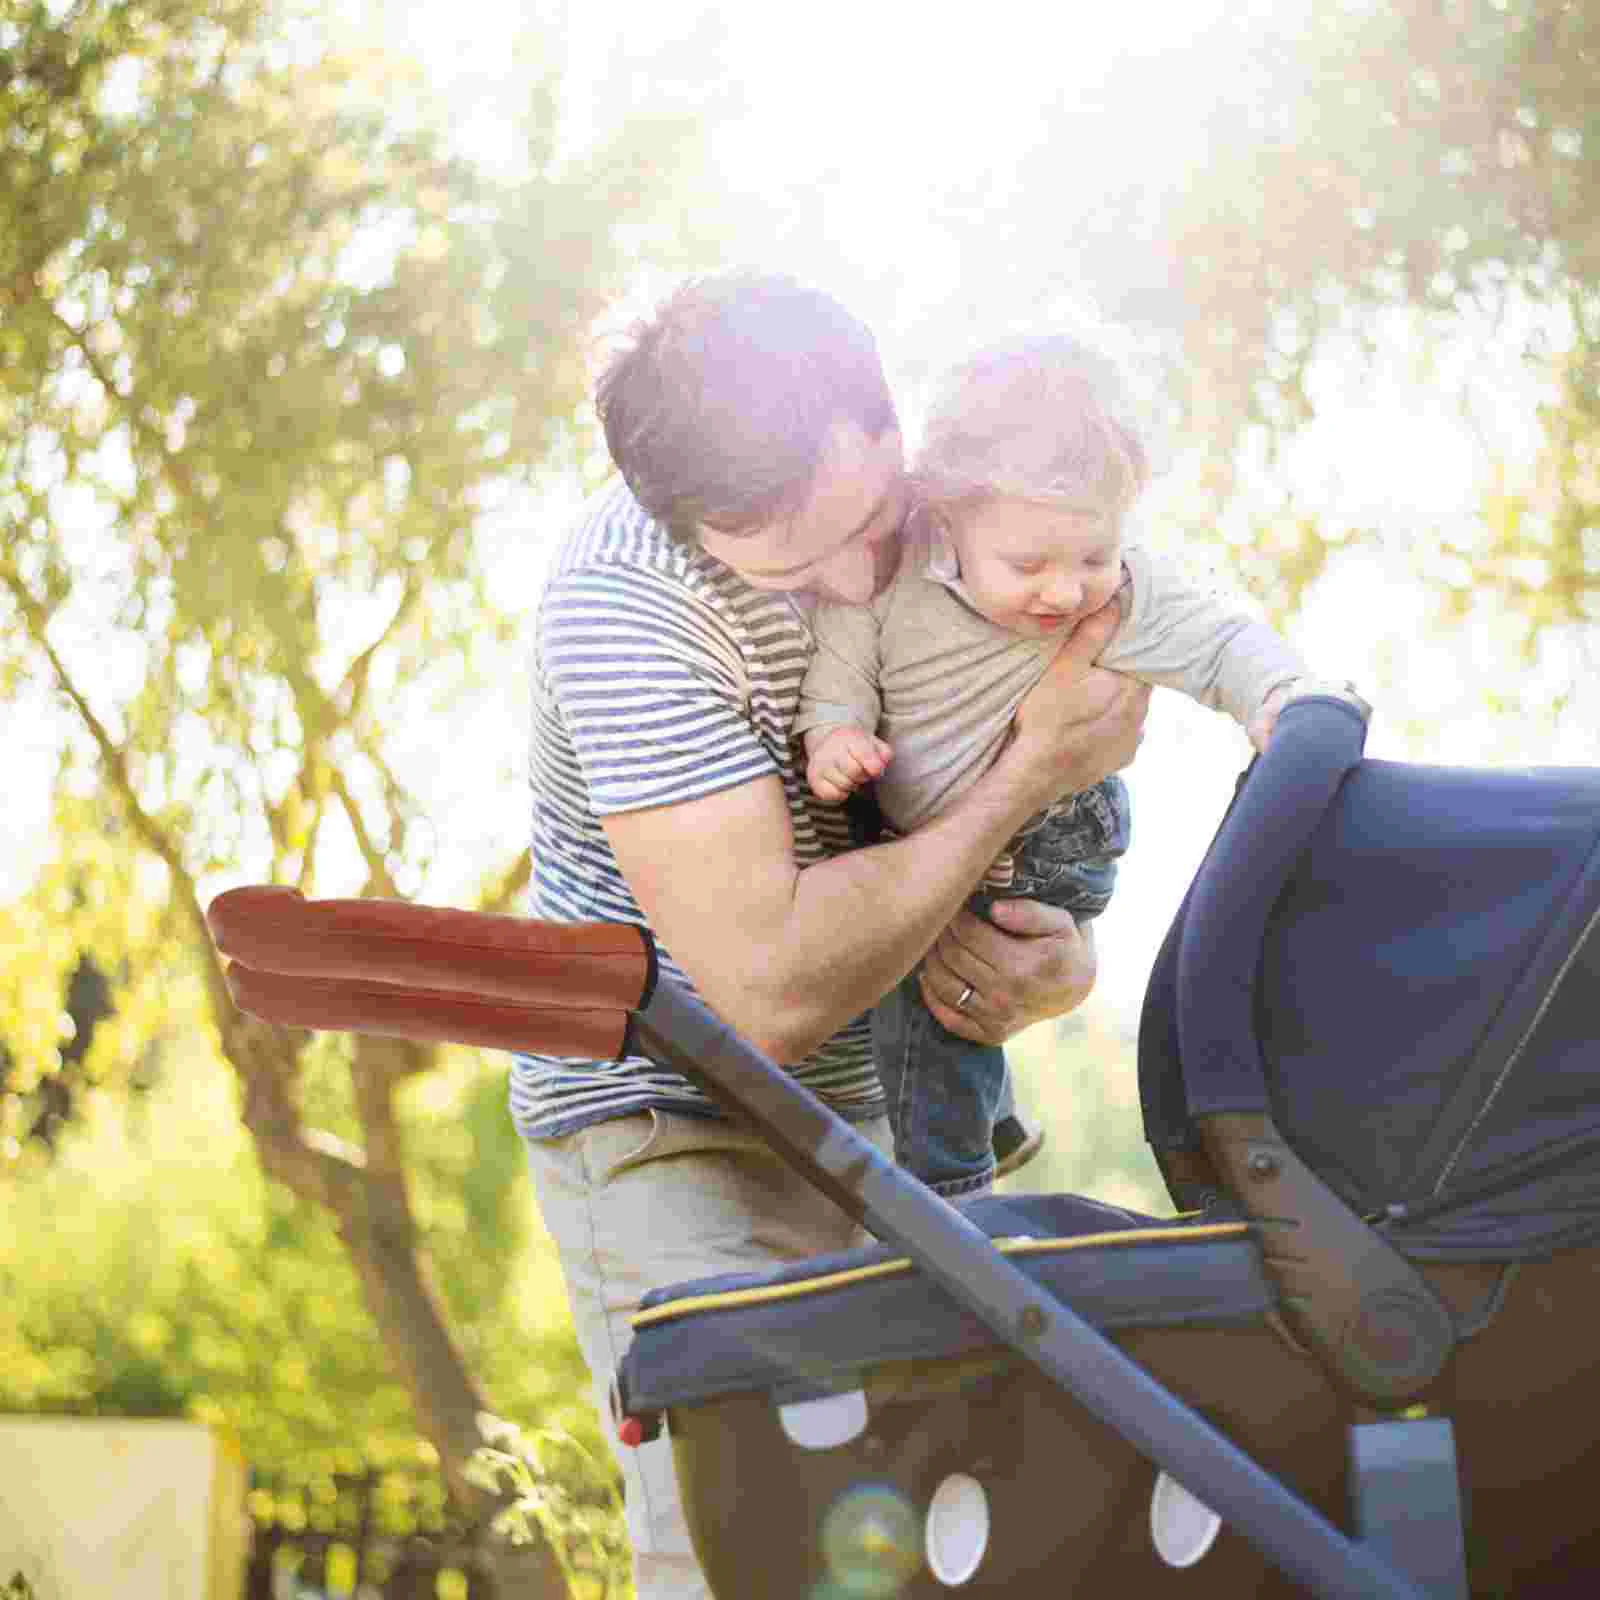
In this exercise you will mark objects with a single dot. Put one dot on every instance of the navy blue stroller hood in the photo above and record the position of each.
(1426, 1005)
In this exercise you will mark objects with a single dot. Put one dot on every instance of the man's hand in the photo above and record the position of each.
(1079, 723)
(1038, 964)
(842, 758)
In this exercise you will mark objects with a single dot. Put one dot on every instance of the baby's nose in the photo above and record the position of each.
(1063, 594)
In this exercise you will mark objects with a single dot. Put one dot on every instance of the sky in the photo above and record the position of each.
(845, 120)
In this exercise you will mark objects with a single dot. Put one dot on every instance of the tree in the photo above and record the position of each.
(1308, 179)
(150, 1269)
(1440, 160)
(265, 347)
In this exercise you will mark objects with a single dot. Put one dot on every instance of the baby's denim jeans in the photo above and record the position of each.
(944, 1092)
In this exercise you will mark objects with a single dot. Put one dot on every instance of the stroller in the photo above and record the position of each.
(1355, 1364)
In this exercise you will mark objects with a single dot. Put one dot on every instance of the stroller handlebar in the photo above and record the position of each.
(432, 1016)
(480, 956)
(432, 973)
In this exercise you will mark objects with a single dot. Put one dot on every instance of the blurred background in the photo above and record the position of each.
(298, 308)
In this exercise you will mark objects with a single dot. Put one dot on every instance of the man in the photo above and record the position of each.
(762, 467)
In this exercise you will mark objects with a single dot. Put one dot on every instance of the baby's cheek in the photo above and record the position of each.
(1100, 590)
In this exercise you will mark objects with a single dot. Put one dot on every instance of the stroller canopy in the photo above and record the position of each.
(1425, 1006)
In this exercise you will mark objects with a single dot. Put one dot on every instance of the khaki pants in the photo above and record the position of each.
(656, 1199)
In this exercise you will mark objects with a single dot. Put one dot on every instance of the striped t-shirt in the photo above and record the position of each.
(659, 676)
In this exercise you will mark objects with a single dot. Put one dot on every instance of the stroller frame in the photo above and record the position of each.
(421, 972)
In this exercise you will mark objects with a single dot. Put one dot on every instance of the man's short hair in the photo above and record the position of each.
(720, 406)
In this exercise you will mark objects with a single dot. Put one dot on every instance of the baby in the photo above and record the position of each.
(1022, 487)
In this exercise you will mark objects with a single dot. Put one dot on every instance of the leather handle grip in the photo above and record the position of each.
(607, 966)
(429, 1015)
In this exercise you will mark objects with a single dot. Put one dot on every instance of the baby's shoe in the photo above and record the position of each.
(1015, 1144)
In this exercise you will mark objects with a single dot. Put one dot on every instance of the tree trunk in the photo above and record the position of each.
(366, 1192)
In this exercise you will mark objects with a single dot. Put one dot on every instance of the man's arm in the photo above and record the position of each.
(787, 957)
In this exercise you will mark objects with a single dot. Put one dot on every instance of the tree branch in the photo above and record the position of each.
(378, 1066)
(314, 1165)
(378, 875)
(352, 690)
(114, 760)
(264, 1057)
(504, 894)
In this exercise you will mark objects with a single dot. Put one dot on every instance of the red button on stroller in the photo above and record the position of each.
(1360, 1366)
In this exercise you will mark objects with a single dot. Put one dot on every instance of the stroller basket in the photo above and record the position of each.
(852, 1416)
(1380, 1089)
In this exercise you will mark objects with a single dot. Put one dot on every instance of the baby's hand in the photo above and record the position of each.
(841, 759)
(1265, 721)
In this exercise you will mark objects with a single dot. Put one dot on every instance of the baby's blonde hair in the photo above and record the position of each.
(1041, 417)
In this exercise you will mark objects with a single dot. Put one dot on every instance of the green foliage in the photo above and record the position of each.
(1076, 1076)
(267, 349)
(151, 1271)
(1503, 135)
(1443, 160)
(267, 345)
(95, 902)
(1326, 185)
(1421, 153)
(555, 1483)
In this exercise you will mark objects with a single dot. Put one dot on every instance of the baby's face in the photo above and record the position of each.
(1037, 569)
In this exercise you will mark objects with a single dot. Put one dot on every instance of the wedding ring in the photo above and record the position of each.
(966, 996)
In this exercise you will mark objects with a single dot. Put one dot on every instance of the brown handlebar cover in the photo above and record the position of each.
(478, 955)
(435, 1016)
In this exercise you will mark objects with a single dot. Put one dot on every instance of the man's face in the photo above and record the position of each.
(840, 545)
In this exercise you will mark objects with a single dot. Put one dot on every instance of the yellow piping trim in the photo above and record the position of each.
(730, 1298)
